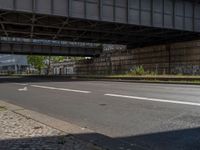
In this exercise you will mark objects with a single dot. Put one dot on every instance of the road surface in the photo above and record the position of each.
(141, 116)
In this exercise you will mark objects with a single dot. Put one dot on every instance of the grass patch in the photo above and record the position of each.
(2, 108)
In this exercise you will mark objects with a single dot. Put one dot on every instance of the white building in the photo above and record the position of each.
(64, 68)
(13, 63)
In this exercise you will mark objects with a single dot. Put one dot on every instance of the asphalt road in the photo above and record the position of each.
(138, 115)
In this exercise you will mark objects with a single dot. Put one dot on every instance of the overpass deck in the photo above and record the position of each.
(129, 22)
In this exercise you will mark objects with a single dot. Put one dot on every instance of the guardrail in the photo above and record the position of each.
(48, 42)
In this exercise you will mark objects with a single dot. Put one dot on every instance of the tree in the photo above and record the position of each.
(40, 62)
(37, 61)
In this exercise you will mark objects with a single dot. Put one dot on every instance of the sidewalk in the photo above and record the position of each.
(20, 132)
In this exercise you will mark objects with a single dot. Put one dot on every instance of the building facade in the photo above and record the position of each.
(64, 68)
(13, 64)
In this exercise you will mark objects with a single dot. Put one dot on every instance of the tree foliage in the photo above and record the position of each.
(40, 62)
(56, 59)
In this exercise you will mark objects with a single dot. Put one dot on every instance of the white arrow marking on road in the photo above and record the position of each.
(154, 99)
(24, 89)
(60, 89)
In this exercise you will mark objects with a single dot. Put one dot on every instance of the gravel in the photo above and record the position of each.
(20, 133)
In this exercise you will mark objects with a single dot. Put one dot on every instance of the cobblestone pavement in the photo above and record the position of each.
(21, 133)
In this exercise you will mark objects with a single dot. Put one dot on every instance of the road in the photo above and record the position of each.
(142, 115)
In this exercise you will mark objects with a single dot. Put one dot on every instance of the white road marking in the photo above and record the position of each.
(23, 84)
(60, 89)
(24, 89)
(154, 99)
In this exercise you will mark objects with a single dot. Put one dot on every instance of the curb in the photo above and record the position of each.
(102, 141)
(47, 120)
(153, 80)
(156, 80)
(145, 81)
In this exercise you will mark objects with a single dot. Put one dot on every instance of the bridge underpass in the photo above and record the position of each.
(151, 116)
(135, 23)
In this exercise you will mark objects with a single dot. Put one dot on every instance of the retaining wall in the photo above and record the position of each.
(178, 58)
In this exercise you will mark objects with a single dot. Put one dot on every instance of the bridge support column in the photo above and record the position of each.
(16, 69)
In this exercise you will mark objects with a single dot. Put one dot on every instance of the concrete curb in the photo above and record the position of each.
(154, 80)
(47, 120)
(146, 81)
(140, 80)
(86, 135)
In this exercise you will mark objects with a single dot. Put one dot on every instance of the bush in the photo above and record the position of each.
(139, 70)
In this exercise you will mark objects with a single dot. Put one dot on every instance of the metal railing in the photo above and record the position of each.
(48, 42)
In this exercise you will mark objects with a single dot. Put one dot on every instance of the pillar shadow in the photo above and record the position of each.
(185, 139)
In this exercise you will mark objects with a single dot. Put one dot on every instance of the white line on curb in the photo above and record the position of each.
(154, 99)
(60, 89)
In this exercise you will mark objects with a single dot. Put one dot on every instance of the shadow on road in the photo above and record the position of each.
(186, 139)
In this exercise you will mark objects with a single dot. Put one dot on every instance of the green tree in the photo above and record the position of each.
(38, 62)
